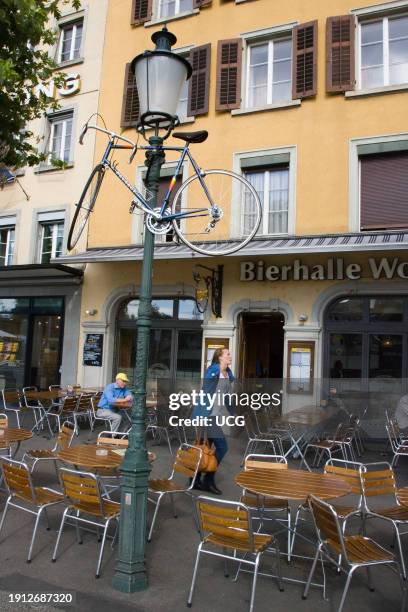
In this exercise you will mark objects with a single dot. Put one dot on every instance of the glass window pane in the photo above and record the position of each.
(188, 310)
(189, 354)
(167, 8)
(398, 27)
(257, 96)
(386, 309)
(162, 309)
(186, 5)
(282, 49)
(282, 70)
(372, 77)
(345, 358)
(48, 305)
(78, 40)
(385, 356)
(13, 339)
(66, 43)
(129, 311)
(258, 54)
(372, 55)
(372, 32)
(346, 309)
(160, 353)
(11, 306)
(281, 92)
(399, 73)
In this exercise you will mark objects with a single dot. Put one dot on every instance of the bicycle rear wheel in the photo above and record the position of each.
(85, 205)
(202, 229)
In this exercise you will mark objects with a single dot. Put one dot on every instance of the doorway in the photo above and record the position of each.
(261, 345)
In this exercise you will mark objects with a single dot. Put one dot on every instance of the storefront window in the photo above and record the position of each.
(175, 339)
(386, 309)
(346, 309)
(385, 356)
(345, 355)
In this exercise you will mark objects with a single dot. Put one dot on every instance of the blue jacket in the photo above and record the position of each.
(211, 378)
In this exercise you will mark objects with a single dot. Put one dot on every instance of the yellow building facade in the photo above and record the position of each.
(314, 115)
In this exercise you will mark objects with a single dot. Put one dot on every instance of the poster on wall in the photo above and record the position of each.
(211, 344)
(93, 349)
(300, 367)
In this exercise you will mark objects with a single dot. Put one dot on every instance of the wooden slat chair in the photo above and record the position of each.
(116, 440)
(13, 403)
(355, 551)
(86, 506)
(327, 445)
(64, 441)
(226, 526)
(65, 410)
(348, 471)
(83, 409)
(187, 463)
(23, 495)
(401, 438)
(5, 449)
(378, 483)
(399, 449)
(266, 507)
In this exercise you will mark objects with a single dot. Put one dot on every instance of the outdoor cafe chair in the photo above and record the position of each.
(348, 471)
(329, 445)
(378, 483)
(159, 429)
(264, 508)
(86, 506)
(83, 410)
(109, 478)
(38, 410)
(226, 532)
(64, 441)
(347, 553)
(187, 463)
(23, 495)
(255, 438)
(399, 446)
(65, 410)
(13, 403)
(94, 409)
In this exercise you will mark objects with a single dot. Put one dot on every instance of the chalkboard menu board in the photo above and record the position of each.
(93, 349)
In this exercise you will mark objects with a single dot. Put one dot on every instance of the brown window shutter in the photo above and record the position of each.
(141, 11)
(340, 37)
(130, 103)
(229, 62)
(199, 87)
(384, 190)
(304, 60)
(200, 3)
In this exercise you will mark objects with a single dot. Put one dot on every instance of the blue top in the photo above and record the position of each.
(211, 378)
(112, 393)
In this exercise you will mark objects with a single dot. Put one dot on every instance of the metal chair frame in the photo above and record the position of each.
(221, 517)
(27, 494)
(255, 438)
(399, 449)
(381, 482)
(183, 465)
(64, 440)
(116, 438)
(13, 396)
(73, 514)
(329, 445)
(43, 413)
(157, 426)
(94, 401)
(330, 535)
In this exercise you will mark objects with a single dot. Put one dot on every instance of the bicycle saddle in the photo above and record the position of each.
(192, 136)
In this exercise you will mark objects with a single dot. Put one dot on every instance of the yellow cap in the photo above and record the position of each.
(122, 376)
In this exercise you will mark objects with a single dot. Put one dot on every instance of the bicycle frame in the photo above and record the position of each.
(142, 202)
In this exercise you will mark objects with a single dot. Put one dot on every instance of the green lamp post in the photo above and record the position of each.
(160, 75)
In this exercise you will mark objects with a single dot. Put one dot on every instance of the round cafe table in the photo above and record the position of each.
(14, 435)
(292, 484)
(87, 456)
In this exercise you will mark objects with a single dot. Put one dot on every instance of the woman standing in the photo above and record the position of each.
(217, 382)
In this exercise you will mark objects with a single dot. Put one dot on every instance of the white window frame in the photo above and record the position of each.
(54, 236)
(52, 120)
(185, 52)
(63, 27)
(385, 40)
(360, 146)
(275, 154)
(269, 84)
(177, 13)
(9, 228)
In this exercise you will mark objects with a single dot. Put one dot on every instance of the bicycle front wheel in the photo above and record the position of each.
(85, 205)
(220, 212)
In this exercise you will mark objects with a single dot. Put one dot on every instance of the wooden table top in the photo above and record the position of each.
(14, 434)
(309, 416)
(86, 456)
(292, 484)
(56, 394)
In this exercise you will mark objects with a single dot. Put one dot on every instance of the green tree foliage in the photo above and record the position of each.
(25, 40)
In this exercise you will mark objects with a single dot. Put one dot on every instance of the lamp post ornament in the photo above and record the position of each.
(156, 71)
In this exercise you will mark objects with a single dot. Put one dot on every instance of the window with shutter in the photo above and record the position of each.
(340, 53)
(304, 78)
(130, 104)
(200, 3)
(229, 58)
(141, 11)
(199, 83)
(384, 190)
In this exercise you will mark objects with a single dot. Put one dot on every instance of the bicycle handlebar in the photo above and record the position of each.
(112, 135)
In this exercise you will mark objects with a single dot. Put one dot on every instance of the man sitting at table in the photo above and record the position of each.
(114, 395)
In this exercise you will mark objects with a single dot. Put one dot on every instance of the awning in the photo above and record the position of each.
(328, 243)
(40, 274)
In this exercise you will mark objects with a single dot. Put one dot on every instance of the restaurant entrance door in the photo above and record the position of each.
(261, 345)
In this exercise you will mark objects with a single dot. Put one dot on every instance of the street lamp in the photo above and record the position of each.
(160, 75)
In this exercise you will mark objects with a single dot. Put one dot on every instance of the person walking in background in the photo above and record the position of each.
(114, 395)
(217, 381)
